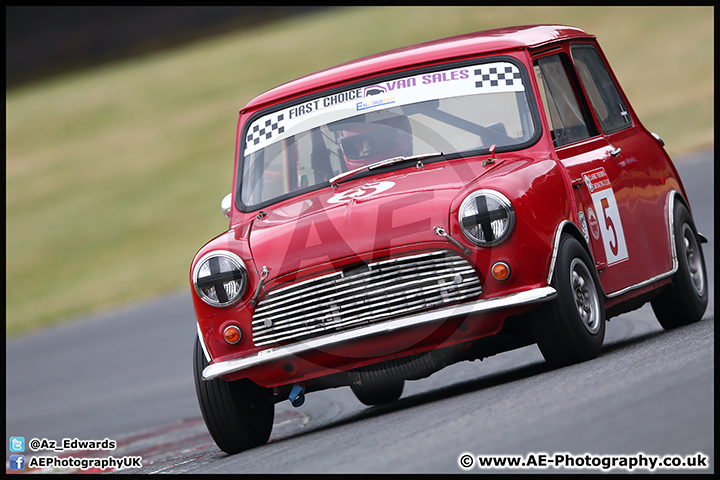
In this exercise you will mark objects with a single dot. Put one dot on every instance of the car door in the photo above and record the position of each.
(639, 154)
(604, 191)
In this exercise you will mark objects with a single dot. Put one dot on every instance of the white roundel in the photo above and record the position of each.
(584, 226)
(367, 190)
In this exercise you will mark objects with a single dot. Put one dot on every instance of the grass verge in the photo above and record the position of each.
(114, 175)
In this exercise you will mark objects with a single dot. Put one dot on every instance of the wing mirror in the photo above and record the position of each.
(226, 204)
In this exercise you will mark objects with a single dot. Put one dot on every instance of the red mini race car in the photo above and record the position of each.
(442, 202)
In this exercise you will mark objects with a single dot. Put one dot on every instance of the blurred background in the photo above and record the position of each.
(120, 122)
(45, 41)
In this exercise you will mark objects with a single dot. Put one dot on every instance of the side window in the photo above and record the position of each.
(565, 116)
(604, 96)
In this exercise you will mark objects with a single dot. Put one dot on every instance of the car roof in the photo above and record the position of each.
(478, 43)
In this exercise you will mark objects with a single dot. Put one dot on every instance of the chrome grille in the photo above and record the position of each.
(371, 293)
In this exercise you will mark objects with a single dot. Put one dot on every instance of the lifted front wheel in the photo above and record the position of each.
(239, 415)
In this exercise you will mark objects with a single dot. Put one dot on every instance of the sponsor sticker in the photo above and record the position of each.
(474, 79)
(594, 225)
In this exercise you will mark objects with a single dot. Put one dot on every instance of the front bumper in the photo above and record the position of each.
(273, 354)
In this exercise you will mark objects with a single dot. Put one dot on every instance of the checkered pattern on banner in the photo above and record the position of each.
(497, 76)
(264, 130)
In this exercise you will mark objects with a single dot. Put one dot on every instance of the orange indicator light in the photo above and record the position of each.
(232, 334)
(501, 271)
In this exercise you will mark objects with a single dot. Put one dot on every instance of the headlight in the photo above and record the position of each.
(486, 217)
(220, 278)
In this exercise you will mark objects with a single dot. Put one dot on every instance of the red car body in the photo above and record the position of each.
(613, 189)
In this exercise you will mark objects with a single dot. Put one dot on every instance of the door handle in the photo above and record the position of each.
(615, 152)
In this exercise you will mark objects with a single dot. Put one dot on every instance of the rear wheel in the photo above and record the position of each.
(239, 414)
(686, 299)
(571, 327)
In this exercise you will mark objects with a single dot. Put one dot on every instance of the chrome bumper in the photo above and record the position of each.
(276, 353)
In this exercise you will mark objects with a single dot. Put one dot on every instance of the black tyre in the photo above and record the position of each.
(571, 327)
(686, 299)
(377, 391)
(238, 415)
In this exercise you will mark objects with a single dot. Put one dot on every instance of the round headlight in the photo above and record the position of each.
(486, 217)
(220, 278)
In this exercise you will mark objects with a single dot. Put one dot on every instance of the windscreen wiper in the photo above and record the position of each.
(334, 181)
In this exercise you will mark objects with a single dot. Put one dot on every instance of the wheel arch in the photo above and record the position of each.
(208, 357)
(567, 227)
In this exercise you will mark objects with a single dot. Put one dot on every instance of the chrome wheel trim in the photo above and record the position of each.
(585, 295)
(694, 260)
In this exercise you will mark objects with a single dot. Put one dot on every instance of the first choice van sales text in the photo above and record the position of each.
(357, 93)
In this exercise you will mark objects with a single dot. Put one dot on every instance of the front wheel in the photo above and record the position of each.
(686, 299)
(571, 327)
(238, 415)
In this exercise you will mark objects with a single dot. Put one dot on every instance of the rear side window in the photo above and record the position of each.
(604, 96)
(564, 114)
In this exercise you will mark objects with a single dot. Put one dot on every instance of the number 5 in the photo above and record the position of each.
(609, 224)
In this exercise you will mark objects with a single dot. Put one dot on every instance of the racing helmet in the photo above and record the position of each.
(366, 143)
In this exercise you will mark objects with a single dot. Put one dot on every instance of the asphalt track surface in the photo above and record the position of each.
(127, 376)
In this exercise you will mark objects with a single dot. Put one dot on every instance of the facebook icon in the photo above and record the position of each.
(17, 462)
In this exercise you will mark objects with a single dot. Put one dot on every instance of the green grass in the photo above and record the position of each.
(115, 174)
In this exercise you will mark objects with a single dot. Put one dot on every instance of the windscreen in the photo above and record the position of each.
(458, 110)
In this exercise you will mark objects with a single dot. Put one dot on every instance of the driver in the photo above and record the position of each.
(367, 143)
